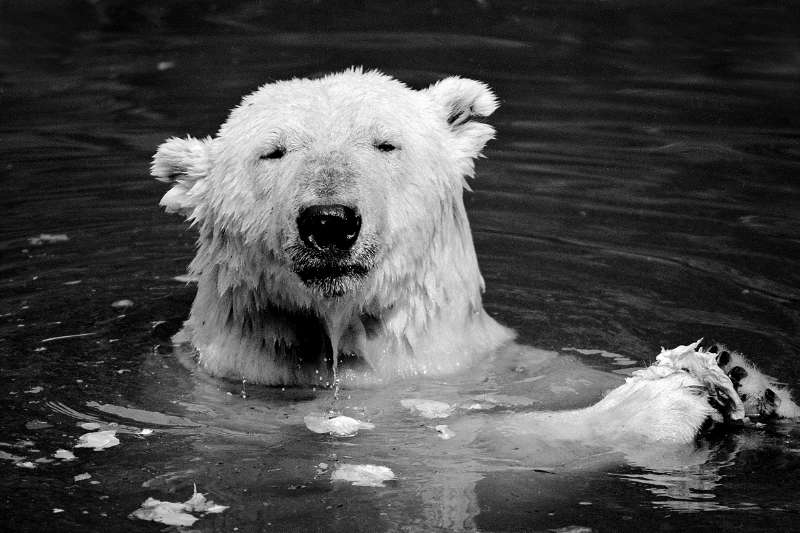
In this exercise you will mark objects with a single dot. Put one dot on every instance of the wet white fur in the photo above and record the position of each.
(425, 287)
(421, 300)
(666, 402)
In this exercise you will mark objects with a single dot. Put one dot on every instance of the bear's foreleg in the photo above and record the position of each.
(671, 402)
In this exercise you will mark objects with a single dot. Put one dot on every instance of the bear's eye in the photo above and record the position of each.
(385, 146)
(277, 153)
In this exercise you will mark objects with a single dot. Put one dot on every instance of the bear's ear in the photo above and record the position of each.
(463, 99)
(184, 163)
(460, 100)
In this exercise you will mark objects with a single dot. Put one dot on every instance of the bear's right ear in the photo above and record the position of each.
(460, 100)
(184, 163)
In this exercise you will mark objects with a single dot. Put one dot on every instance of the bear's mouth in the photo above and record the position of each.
(334, 279)
(331, 273)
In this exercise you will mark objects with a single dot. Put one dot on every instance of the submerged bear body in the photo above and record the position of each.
(334, 243)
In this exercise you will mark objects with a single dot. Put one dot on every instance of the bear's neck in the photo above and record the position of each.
(419, 312)
(428, 302)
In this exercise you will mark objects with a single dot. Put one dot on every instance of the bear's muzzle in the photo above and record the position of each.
(328, 257)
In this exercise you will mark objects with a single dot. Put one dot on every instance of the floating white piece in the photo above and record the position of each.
(428, 408)
(321, 469)
(199, 504)
(99, 440)
(618, 359)
(177, 514)
(363, 475)
(170, 513)
(81, 477)
(10, 457)
(46, 238)
(338, 426)
(444, 432)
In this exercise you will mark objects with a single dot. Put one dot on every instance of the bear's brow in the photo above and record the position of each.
(286, 138)
(380, 132)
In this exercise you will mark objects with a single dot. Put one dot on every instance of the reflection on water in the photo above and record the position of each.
(641, 192)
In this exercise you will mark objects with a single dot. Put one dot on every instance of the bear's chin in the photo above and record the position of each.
(333, 281)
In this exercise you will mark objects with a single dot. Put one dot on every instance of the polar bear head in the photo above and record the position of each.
(341, 192)
(330, 176)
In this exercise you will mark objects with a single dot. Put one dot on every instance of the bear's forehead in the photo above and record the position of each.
(351, 97)
(342, 86)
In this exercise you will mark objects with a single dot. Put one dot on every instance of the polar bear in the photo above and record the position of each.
(334, 245)
(333, 231)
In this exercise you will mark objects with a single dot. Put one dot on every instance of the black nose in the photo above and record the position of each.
(329, 227)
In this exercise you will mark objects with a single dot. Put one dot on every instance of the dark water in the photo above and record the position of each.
(642, 192)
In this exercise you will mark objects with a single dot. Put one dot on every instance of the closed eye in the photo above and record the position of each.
(277, 153)
(385, 146)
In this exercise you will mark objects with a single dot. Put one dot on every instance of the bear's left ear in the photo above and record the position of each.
(184, 163)
(460, 100)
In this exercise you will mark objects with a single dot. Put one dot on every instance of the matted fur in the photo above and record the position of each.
(409, 301)
(405, 299)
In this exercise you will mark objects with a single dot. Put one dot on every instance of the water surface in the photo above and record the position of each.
(642, 192)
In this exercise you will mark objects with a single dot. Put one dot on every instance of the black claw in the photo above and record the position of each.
(716, 404)
(768, 406)
(713, 348)
(737, 374)
(770, 396)
(721, 401)
(729, 404)
(706, 427)
(723, 358)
